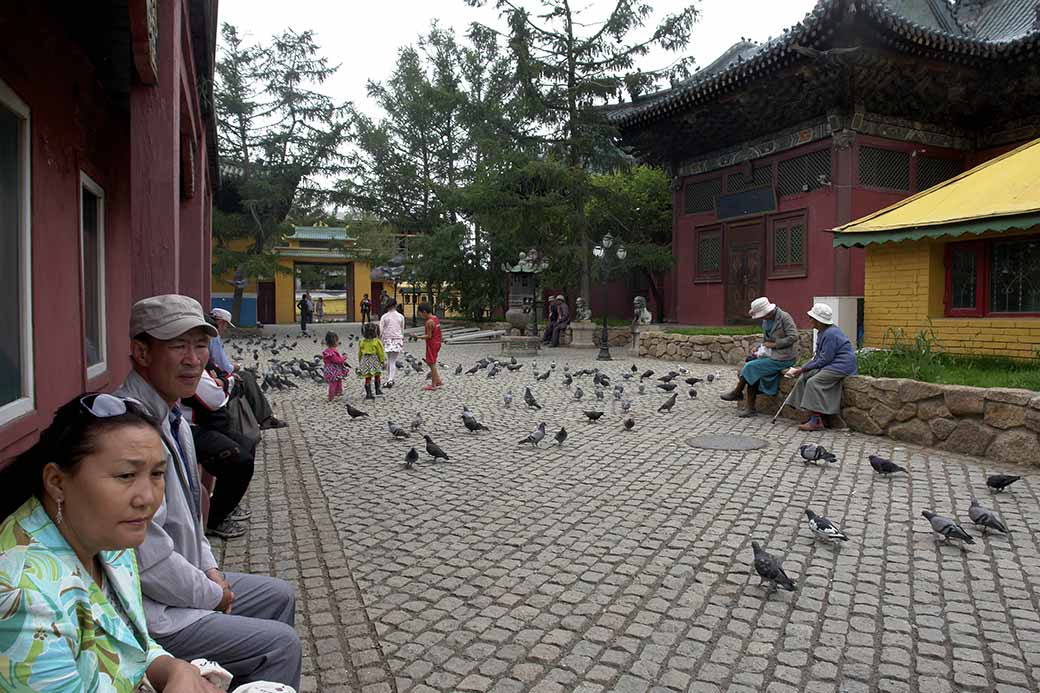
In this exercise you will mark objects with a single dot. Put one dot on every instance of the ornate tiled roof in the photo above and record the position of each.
(920, 26)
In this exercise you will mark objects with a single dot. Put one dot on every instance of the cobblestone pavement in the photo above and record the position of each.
(621, 561)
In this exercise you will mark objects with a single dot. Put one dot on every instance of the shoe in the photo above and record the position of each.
(747, 413)
(388, 384)
(228, 529)
(368, 391)
(379, 390)
(814, 423)
(240, 513)
(733, 396)
(429, 388)
(272, 422)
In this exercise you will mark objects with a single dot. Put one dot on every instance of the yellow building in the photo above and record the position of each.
(961, 258)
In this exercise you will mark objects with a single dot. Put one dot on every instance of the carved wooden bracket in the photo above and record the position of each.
(144, 30)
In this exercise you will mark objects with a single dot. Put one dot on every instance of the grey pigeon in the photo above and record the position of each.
(354, 411)
(544, 376)
(567, 380)
(629, 423)
(986, 518)
(471, 423)
(710, 378)
(646, 374)
(578, 393)
(642, 388)
(884, 467)
(771, 569)
(417, 422)
(599, 393)
(814, 453)
(667, 387)
(507, 398)
(999, 482)
(458, 369)
(667, 406)
(535, 436)
(435, 451)
(946, 528)
(692, 393)
(473, 370)
(593, 416)
(410, 458)
(530, 400)
(396, 431)
(626, 405)
(694, 381)
(561, 435)
(824, 528)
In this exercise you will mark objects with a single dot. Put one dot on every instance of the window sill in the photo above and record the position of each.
(788, 275)
(707, 280)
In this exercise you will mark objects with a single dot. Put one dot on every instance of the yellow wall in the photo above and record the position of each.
(285, 296)
(905, 286)
(222, 284)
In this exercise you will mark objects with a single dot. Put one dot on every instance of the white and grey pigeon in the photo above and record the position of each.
(814, 453)
(823, 528)
(946, 528)
(771, 569)
(395, 430)
(507, 398)
(417, 422)
(535, 436)
(986, 518)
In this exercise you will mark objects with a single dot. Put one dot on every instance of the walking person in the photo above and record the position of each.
(391, 331)
(366, 309)
(819, 388)
(371, 358)
(779, 351)
(319, 309)
(335, 365)
(306, 308)
(433, 344)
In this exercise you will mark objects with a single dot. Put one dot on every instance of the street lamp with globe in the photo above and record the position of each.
(603, 254)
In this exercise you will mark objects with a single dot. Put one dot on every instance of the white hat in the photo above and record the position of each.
(221, 314)
(761, 307)
(821, 312)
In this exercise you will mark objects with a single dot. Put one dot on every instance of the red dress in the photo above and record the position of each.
(433, 344)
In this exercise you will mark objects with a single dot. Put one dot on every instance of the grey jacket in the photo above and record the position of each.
(784, 334)
(175, 555)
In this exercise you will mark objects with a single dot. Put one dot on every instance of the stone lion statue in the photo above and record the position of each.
(640, 315)
(582, 312)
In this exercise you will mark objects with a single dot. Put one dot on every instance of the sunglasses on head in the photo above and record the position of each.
(104, 405)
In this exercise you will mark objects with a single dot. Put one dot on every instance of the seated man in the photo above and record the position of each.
(244, 622)
(554, 315)
(562, 321)
(819, 389)
(247, 379)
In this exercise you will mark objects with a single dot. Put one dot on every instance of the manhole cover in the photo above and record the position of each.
(727, 442)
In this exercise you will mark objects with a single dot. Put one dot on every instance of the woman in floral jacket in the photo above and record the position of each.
(75, 505)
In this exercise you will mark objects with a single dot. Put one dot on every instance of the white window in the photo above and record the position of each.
(16, 357)
(92, 258)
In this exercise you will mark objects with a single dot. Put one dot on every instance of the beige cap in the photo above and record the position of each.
(168, 316)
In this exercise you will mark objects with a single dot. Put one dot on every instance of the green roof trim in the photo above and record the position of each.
(322, 233)
(1020, 222)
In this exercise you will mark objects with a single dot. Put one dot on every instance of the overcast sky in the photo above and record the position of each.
(363, 36)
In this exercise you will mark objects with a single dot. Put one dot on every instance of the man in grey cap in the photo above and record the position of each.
(244, 622)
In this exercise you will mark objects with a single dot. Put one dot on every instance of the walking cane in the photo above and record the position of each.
(782, 406)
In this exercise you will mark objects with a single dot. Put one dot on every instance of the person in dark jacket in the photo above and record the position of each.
(779, 351)
(554, 316)
(819, 388)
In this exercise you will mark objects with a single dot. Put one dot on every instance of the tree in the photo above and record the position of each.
(278, 139)
(635, 206)
(568, 66)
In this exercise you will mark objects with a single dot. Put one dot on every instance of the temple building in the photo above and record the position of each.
(860, 105)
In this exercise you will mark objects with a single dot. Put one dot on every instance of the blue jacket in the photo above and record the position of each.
(833, 352)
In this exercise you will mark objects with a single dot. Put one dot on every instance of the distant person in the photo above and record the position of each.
(366, 309)
(335, 365)
(779, 351)
(306, 308)
(553, 317)
(384, 303)
(819, 388)
(432, 336)
(371, 358)
(391, 331)
(319, 310)
(562, 321)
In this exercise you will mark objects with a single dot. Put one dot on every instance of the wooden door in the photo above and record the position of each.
(265, 303)
(745, 247)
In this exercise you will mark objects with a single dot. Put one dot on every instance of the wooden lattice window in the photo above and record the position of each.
(788, 246)
(931, 171)
(708, 248)
(701, 196)
(884, 168)
(803, 173)
(759, 177)
(993, 277)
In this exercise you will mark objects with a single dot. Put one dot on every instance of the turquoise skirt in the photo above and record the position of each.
(765, 373)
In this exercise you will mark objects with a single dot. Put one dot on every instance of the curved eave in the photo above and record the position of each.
(973, 227)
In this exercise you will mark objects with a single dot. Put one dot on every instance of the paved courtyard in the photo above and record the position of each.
(620, 562)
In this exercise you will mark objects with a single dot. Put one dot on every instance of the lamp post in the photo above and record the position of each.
(602, 252)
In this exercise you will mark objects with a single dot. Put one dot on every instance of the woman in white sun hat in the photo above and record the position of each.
(779, 352)
(819, 390)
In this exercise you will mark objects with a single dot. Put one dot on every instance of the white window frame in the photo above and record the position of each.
(27, 403)
(87, 183)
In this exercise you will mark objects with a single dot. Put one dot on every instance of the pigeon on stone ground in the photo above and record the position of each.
(946, 528)
(694, 381)
(435, 451)
(535, 436)
(646, 374)
(626, 405)
(410, 458)
(513, 367)
(417, 422)
(629, 423)
(578, 393)
(634, 369)
(507, 398)
(814, 453)
(884, 467)
(458, 369)
(667, 406)
(473, 370)
(824, 528)
(986, 518)
(771, 569)
(593, 416)
(529, 399)
(471, 423)
(667, 387)
(692, 393)
(561, 435)
(642, 389)
(544, 376)
(668, 377)
(354, 411)
(396, 431)
(567, 380)
(999, 482)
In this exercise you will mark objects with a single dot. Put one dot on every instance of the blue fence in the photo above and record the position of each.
(248, 316)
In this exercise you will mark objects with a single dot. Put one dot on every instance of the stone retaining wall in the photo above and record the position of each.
(997, 423)
(731, 349)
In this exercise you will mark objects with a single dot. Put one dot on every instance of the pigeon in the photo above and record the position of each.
(646, 374)
(693, 381)
(473, 370)
(692, 393)
(634, 369)
(986, 518)
(824, 528)
(507, 398)
(626, 405)
(458, 369)
(883, 466)
(667, 406)
(561, 435)
(667, 387)
(771, 569)
(999, 482)
(417, 422)
(642, 389)
(947, 528)
(710, 377)
(354, 411)
(471, 423)
(814, 453)
(535, 436)
(599, 393)
(544, 376)
(669, 377)
(552, 365)
(593, 416)
(513, 367)
(567, 380)
(396, 431)
(434, 449)
(410, 458)
(629, 423)
(578, 393)
(530, 400)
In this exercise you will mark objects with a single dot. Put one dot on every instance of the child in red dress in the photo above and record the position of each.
(433, 344)
(336, 366)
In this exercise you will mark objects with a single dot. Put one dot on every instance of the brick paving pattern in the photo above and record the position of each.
(620, 562)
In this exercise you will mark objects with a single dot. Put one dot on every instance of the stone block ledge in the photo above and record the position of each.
(728, 349)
